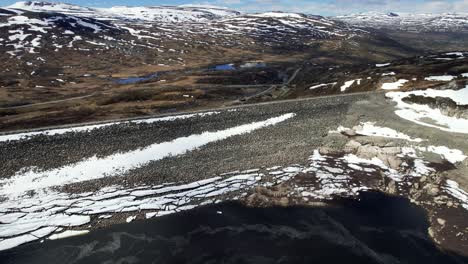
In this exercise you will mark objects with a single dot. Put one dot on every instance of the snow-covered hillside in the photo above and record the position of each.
(409, 22)
(37, 6)
(202, 13)
(166, 14)
(169, 14)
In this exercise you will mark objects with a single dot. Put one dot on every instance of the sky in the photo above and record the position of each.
(320, 7)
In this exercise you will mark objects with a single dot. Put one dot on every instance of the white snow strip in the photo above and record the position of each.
(382, 65)
(394, 85)
(321, 85)
(277, 15)
(458, 54)
(68, 233)
(60, 131)
(388, 74)
(442, 78)
(105, 216)
(453, 188)
(118, 164)
(353, 159)
(370, 129)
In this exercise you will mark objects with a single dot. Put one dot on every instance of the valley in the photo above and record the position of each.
(66, 63)
(120, 124)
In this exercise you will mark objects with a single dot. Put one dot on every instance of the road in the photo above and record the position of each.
(226, 107)
(49, 102)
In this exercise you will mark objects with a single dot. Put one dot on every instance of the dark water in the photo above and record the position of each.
(233, 67)
(377, 229)
(132, 80)
(223, 67)
(249, 65)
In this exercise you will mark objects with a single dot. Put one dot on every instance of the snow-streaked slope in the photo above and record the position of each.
(40, 6)
(277, 26)
(409, 22)
(29, 32)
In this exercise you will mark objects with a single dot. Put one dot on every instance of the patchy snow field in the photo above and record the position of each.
(370, 129)
(427, 116)
(460, 97)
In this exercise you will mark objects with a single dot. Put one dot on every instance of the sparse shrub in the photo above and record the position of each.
(84, 111)
(130, 96)
(14, 103)
(8, 112)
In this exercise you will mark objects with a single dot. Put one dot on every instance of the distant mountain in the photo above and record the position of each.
(409, 22)
(41, 42)
(33, 27)
(284, 27)
(170, 14)
(40, 6)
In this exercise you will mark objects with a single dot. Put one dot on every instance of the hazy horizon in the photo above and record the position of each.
(327, 7)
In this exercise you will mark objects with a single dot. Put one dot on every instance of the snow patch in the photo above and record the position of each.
(425, 115)
(130, 219)
(451, 155)
(394, 85)
(348, 84)
(370, 129)
(380, 65)
(442, 78)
